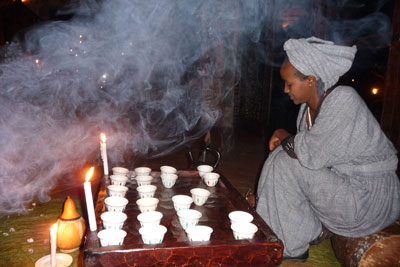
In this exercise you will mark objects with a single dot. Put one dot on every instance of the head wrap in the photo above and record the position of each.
(322, 59)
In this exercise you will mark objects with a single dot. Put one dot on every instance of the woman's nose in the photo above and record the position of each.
(286, 90)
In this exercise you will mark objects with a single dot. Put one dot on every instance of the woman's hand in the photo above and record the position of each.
(274, 142)
(277, 138)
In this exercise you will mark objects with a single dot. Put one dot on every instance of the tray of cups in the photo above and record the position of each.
(172, 209)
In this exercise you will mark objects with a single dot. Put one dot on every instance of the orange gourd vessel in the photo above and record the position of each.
(71, 227)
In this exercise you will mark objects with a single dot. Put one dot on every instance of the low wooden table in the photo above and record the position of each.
(265, 249)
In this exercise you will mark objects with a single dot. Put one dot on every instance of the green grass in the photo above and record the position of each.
(15, 250)
(321, 255)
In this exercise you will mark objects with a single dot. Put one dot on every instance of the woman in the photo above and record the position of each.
(338, 173)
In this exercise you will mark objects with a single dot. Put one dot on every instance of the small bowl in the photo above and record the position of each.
(147, 204)
(182, 202)
(238, 216)
(120, 171)
(142, 171)
(189, 218)
(199, 233)
(146, 190)
(117, 190)
(211, 178)
(167, 170)
(153, 234)
(149, 218)
(113, 220)
(144, 180)
(199, 196)
(116, 203)
(111, 237)
(118, 180)
(243, 230)
(168, 179)
(204, 169)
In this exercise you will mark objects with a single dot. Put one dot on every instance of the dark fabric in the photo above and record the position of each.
(288, 146)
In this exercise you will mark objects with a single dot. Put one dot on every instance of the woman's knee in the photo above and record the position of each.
(282, 159)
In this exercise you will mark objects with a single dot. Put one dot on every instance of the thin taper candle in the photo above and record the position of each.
(53, 245)
(103, 152)
(89, 200)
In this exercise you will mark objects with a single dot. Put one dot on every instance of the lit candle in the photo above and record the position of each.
(103, 152)
(53, 245)
(89, 200)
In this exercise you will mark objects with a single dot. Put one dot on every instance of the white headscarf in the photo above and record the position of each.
(322, 59)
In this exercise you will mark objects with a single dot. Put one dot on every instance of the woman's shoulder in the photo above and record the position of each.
(344, 90)
(344, 94)
(344, 98)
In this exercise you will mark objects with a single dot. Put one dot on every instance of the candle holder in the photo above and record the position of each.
(54, 259)
(62, 259)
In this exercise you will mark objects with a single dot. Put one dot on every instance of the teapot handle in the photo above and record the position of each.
(216, 153)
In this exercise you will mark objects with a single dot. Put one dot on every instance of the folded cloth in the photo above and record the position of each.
(322, 59)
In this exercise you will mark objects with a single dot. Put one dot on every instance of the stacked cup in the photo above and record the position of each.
(241, 225)
(199, 196)
(142, 171)
(120, 171)
(146, 190)
(119, 176)
(211, 178)
(182, 202)
(168, 176)
(114, 218)
(188, 218)
(151, 231)
(143, 176)
(153, 234)
(199, 233)
(149, 218)
(203, 169)
(111, 237)
(117, 190)
(147, 204)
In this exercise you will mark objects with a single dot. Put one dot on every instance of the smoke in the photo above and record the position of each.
(140, 71)
(366, 24)
(150, 74)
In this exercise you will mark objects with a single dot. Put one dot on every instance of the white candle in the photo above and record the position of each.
(89, 200)
(103, 152)
(53, 245)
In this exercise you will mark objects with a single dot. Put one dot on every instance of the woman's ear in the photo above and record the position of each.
(312, 81)
(311, 78)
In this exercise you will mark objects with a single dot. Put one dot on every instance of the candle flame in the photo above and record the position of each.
(285, 24)
(53, 228)
(103, 137)
(374, 91)
(89, 174)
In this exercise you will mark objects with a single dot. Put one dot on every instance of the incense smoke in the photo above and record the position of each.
(143, 72)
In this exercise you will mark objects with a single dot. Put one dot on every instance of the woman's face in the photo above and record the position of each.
(300, 90)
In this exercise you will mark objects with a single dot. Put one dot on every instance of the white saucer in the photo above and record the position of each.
(63, 260)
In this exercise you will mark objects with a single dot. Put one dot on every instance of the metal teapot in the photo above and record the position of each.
(204, 156)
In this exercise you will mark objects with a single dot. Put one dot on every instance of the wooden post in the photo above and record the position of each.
(390, 121)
